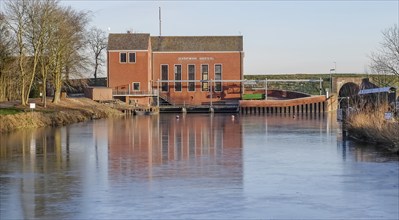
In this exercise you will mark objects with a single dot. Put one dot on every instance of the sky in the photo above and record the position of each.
(280, 37)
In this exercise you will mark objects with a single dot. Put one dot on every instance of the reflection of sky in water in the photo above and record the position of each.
(304, 174)
(196, 166)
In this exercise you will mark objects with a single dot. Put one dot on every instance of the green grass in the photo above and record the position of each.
(9, 111)
(253, 96)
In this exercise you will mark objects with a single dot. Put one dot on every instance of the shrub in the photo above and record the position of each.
(370, 125)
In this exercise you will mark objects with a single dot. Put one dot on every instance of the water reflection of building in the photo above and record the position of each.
(32, 157)
(155, 140)
(49, 172)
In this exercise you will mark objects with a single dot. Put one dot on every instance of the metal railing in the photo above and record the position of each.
(136, 93)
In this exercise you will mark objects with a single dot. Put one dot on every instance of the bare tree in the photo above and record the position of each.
(97, 42)
(8, 82)
(29, 21)
(386, 59)
(39, 34)
(66, 47)
(16, 21)
(47, 25)
(48, 40)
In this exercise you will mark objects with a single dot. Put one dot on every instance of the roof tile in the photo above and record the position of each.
(128, 41)
(197, 43)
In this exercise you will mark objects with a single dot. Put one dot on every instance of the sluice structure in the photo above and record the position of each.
(307, 105)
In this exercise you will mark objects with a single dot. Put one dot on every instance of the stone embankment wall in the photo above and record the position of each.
(313, 104)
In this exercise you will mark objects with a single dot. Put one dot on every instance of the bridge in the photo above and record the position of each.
(341, 83)
(341, 88)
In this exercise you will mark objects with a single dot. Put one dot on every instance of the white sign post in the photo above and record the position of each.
(388, 116)
(32, 106)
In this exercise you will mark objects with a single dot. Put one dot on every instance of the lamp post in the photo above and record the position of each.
(331, 70)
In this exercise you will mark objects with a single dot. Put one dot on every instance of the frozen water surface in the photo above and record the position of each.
(196, 167)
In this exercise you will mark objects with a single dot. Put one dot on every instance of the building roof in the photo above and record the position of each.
(128, 41)
(197, 43)
(134, 41)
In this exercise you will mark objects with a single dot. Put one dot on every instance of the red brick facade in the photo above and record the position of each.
(230, 63)
(122, 75)
(138, 81)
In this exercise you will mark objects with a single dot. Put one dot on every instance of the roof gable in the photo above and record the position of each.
(128, 41)
(197, 43)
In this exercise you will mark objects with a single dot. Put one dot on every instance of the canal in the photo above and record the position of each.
(196, 166)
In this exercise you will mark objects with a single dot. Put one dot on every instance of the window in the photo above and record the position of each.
(132, 57)
(164, 76)
(191, 76)
(204, 73)
(136, 86)
(122, 57)
(218, 76)
(178, 77)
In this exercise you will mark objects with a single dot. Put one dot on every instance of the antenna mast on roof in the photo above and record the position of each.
(160, 22)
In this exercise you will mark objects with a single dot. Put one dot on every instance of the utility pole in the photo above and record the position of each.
(160, 22)
(331, 70)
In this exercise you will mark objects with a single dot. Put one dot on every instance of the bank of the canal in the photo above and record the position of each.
(70, 110)
(366, 127)
(371, 126)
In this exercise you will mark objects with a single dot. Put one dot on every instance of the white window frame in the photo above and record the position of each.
(221, 74)
(181, 76)
(188, 78)
(202, 84)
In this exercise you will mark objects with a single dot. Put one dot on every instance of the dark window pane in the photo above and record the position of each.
(191, 76)
(132, 57)
(178, 77)
(136, 86)
(204, 71)
(164, 75)
(218, 76)
(218, 86)
(218, 69)
(123, 57)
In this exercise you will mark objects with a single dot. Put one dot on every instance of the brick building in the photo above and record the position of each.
(183, 70)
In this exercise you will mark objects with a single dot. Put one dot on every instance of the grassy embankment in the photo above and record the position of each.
(371, 126)
(68, 111)
(10, 111)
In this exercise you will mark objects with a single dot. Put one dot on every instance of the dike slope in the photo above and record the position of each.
(68, 111)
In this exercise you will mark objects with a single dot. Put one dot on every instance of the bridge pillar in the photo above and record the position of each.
(332, 104)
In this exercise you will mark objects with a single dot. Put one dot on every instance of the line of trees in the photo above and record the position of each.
(43, 43)
(385, 60)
